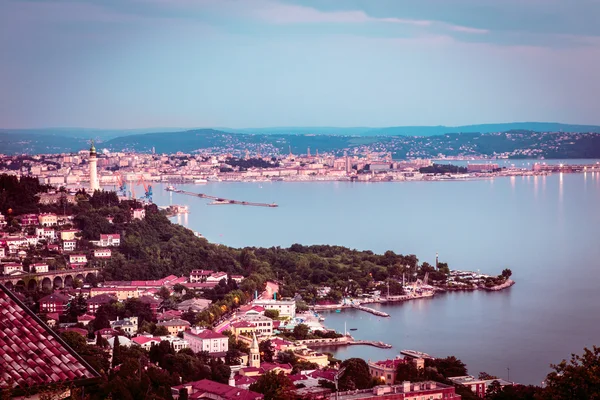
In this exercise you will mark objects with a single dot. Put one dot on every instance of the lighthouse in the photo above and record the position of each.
(93, 170)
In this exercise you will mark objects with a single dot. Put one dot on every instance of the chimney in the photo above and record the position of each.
(406, 386)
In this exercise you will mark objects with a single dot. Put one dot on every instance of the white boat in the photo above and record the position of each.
(170, 188)
(200, 181)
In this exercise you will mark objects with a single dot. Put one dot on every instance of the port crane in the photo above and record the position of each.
(147, 189)
(122, 185)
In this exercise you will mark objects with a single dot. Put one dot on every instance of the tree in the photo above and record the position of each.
(116, 359)
(449, 366)
(356, 375)
(407, 372)
(233, 357)
(486, 376)
(274, 386)
(273, 314)
(287, 357)
(161, 330)
(219, 371)
(506, 273)
(266, 350)
(301, 331)
(579, 378)
(164, 293)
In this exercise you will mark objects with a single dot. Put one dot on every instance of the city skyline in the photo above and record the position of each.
(260, 63)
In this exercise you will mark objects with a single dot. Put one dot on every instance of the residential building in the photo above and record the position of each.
(308, 355)
(77, 258)
(68, 234)
(207, 389)
(47, 234)
(263, 325)
(286, 308)
(29, 220)
(69, 245)
(216, 277)
(242, 327)
(404, 391)
(478, 386)
(9, 268)
(122, 293)
(206, 340)
(54, 303)
(94, 303)
(152, 302)
(196, 305)
(199, 275)
(123, 341)
(38, 268)
(126, 325)
(102, 253)
(139, 213)
(48, 219)
(385, 370)
(109, 240)
(2, 252)
(85, 319)
(38, 358)
(175, 326)
(146, 341)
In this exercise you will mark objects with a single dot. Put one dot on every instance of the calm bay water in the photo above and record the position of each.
(545, 229)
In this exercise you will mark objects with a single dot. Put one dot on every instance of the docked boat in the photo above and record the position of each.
(200, 181)
(219, 202)
(170, 188)
(338, 310)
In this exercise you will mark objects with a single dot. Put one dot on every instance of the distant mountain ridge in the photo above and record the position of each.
(402, 142)
(107, 134)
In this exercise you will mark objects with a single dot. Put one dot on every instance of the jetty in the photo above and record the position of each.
(380, 345)
(220, 200)
(370, 310)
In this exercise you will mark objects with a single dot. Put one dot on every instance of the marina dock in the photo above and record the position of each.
(220, 200)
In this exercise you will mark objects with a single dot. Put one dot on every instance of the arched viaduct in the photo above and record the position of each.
(49, 280)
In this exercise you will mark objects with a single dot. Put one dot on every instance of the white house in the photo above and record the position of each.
(77, 258)
(286, 308)
(216, 277)
(139, 213)
(11, 267)
(102, 253)
(69, 245)
(38, 268)
(109, 240)
(127, 325)
(206, 340)
(263, 325)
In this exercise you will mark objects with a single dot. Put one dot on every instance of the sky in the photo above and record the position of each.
(265, 63)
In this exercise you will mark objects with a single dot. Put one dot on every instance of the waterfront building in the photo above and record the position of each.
(286, 308)
(94, 185)
(385, 370)
(478, 386)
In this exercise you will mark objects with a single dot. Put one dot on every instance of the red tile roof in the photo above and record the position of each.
(55, 298)
(199, 389)
(32, 355)
(205, 334)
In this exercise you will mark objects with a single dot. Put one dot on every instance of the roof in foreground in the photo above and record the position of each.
(32, 355)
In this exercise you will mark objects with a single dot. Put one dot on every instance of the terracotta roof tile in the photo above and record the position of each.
(33, 355)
